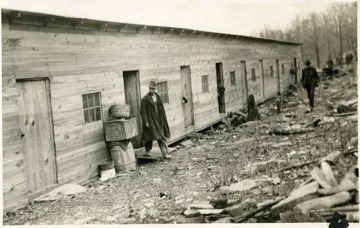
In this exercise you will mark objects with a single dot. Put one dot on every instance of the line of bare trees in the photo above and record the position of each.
(325, 35)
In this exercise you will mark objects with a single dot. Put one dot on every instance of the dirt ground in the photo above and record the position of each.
(159, 192)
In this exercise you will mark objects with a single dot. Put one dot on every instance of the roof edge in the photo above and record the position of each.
(11, 15)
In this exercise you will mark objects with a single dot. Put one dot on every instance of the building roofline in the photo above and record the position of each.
(26, 17)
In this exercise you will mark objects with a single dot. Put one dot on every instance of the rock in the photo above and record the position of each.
(143, 214)
(187, 143)
(276, 180)
(354, 141)
(191, 213)
(241, 186)
(143, 173)
(256, 191)
(223, 220)
(210, 211)
(128, 221)
(201, 205)
(110, 219)
(148, 205)
(154, 213)
(61, 192)
(327, 120)
(84, 220)
(180, 201)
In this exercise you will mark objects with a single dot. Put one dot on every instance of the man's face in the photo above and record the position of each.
(152, 91)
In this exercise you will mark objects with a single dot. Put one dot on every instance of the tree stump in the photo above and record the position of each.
(253, 113)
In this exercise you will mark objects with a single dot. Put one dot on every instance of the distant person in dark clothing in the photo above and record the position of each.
(155, 125)
(330, 65)
(310, 80)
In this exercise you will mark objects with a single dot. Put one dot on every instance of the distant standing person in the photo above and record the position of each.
(155, 125)
(310, 80)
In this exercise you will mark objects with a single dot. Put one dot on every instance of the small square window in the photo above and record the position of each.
(205, 84)
(232, 78)
(271, 71)
(91, 107)
(162, 89)
(253, 75)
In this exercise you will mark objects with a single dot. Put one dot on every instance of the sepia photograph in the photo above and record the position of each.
(179, 112)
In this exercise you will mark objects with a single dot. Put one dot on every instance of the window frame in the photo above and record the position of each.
(206, 84)
(232, 78)
(163, 94)
(95, 108)
(253, 74)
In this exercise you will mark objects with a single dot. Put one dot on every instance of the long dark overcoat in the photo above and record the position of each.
(309, 77)
(158, 125)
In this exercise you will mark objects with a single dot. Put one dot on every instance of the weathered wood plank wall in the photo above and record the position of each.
(81, 62)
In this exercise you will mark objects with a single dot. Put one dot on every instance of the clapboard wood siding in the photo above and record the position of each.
(81, 61)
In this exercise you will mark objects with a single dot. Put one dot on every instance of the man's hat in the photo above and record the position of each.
(307, 62)
(152, 85)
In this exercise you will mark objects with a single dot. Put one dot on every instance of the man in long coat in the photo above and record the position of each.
(310, 80)
(155, 125)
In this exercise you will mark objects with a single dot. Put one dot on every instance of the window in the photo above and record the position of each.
(205, 84)
(283, 69)
(91, 106)
(162, 89)
(253, 76)
(271, 71)
(232, 78)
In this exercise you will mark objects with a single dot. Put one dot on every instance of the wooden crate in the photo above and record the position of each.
(116, 130)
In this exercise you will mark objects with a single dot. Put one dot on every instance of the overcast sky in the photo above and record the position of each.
(244, 17)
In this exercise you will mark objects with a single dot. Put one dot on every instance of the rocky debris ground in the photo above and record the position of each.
(228, 173)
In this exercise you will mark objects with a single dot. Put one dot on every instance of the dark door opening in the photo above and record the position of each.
(220, 87)
(133, 98)
(262, 79)
(296, 71)
(244, 82)
(188, 108)
(278, 75)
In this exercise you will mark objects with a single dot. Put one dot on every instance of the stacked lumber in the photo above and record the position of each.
(228, 211)
(322, 197)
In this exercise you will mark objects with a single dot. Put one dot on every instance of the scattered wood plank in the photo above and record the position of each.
(343, 209)
(319, 177)
(297, 165)
(344, 114)
(238, 209)
(302, 194)
(348, 183)
(251, 214)
(329, 174)
(290, 131)
(324, 202)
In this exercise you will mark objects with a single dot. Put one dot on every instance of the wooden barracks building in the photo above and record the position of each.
(60, 76)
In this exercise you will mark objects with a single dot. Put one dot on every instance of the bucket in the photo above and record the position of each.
(120, 111)
(124, 160)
